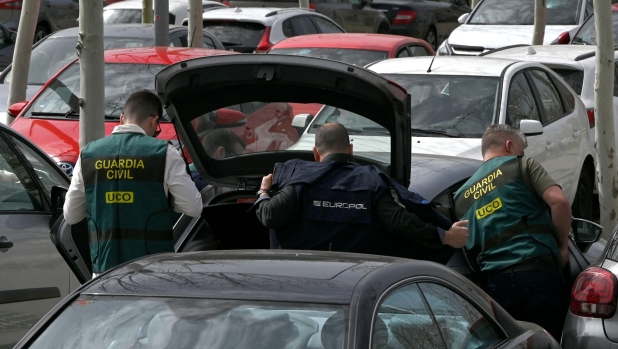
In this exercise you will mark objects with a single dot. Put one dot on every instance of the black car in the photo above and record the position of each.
(432, 20)
(281, 299)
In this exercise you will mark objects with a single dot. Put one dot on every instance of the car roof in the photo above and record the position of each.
(375, 42)
(283, 275)
(137, 4)
(159, 55)
(136, 30)
(443, 65)
(254, 14)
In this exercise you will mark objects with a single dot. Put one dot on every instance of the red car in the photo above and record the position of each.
(351, 48)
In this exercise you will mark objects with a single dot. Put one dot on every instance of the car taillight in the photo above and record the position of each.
(264, 44)
(404, 17)
(594, 294)
(312, 6)
(564, 38)
(11, 4)
(226, 3)
(591, 117)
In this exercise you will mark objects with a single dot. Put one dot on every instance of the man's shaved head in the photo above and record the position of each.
(332, 138)
(497, 135)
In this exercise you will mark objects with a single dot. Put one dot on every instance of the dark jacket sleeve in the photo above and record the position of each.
(397, 220)
(278, 211)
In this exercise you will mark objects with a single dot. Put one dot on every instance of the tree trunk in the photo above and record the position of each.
(604, 114)
(147, 15)
(21, 55)
(196, 24)
(303, 3)
(539, 22)
(91, 72)
(162, 23)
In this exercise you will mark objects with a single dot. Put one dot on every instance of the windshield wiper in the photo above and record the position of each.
(433, 132)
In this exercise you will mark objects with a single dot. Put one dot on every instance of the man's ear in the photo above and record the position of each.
(316, 155)
(122, 119)
(220, 153)
(351, 149)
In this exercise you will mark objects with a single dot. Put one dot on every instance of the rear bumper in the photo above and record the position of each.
(585, 333)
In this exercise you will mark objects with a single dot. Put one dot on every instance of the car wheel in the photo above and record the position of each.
(432, 38)
(582, 205)
(40, 32)
(383, 30)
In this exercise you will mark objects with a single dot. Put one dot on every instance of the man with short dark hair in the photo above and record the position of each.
(519, 225)
(131, 187)
(222, 143)
(336, 204)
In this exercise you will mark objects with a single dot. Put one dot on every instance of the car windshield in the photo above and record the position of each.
(116, 16)
(357, 57)
(587, 35)
(61, 97)
(256, 127)
(521, 12)
(237, 36)
(158, 322)
(54, 53)
(455, 106)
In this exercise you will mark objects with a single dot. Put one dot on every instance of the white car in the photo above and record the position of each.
(249, 30)
(130, 11)
(498, 23)
(454, 99)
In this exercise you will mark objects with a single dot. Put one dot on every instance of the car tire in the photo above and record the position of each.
(583, 203)
(432, 38)
(383, 29)
(40, 32)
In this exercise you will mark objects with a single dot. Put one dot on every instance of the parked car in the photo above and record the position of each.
(7, 45)
(354, 16)
(248, 30)
(58, 49)
(454, 99)
(587, 33)
(431, 20)
(34, 275)
(281, 299)
(54, 15)
(496, 23)
(130, 11)
(51, 118)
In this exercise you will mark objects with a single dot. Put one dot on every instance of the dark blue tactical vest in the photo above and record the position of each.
(337, 201)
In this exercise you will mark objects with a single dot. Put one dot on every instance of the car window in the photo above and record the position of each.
(207, 42)
(521, 12)
(325, 26)
(301, 25)
(457, 106)
(550, 100)
(521, 104)
(119, 16)
(176, 42)
(172, 18)
(350, 56)
(589, 9)
(573, 77)
(587, 35)
(567, 96)
(403, 320)
(236, 34)
(18, 192)
(403, 53)
(48, 173)
(418, 51)
(461, 323)
(193, 323)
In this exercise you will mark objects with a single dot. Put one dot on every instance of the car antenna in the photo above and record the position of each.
(434, 57)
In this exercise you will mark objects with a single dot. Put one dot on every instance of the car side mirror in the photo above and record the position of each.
(301, 122)
(585, 233)
(564, 38)
(531, 127)
(58, 195)
(13, 37)
(225, 118)
(16, 109)
(463, 18)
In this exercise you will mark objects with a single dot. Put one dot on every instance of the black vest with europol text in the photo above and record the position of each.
(129, 214)
(336, 203)
(509, 223)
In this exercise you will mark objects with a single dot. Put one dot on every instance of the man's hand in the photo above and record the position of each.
(458, 235)
(267, 182)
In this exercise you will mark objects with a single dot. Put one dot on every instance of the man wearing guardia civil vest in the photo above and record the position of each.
(519, 220)
(131, 187)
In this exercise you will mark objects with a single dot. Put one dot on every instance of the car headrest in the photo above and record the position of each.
(333, 331)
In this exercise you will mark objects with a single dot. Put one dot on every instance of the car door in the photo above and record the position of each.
(426, 314)
(33, 276)
(61, 13)
(337, 10)
(522, 104)
(325, 26)
(561, 129)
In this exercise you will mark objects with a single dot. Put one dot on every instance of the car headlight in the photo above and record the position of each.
(445, 49)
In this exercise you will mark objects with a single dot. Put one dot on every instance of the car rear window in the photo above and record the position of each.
(357, 57)
(587, 35)
(574, 78)
(192, 323)
(521, 12)
(237, 36)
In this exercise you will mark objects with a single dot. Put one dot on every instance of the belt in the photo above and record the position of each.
(538, 263)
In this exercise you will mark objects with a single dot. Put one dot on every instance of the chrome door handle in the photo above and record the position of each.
(5, 244)
(550, 146)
